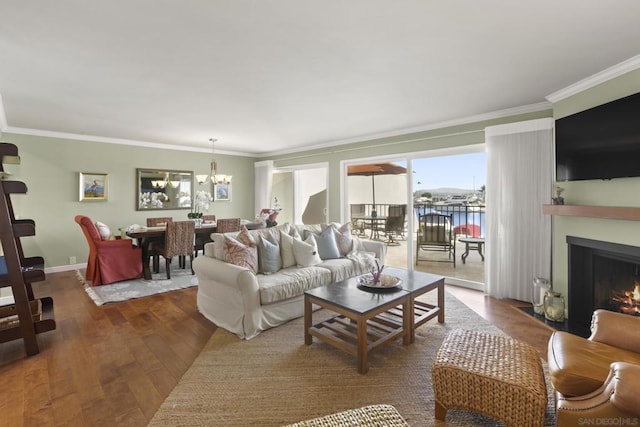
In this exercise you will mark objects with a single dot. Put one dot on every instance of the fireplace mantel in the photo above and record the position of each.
(605, 212)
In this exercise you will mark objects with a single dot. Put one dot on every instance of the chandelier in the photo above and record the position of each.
(215, 177)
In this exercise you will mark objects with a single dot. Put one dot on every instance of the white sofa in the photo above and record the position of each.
(245, 303)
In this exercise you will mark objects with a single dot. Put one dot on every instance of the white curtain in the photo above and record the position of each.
(263, 173)
(519, 182)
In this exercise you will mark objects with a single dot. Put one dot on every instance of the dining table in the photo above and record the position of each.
(144, 235)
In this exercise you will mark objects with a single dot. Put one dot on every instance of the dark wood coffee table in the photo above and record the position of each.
(367, 320)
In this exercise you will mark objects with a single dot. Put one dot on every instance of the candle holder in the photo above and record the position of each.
(554, 306)
(539, 290)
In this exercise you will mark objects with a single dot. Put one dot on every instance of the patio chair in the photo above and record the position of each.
(394, 226)
(357, 223)
(435, 233)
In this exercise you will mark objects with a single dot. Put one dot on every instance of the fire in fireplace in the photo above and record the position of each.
(628, 301)
(601, 275)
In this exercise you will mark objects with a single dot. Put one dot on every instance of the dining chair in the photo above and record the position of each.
(203, 239)
(208, 218)
(156, 222)
(227, 225)
(178, 241)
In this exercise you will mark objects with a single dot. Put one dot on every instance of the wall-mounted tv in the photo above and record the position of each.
(600, 143)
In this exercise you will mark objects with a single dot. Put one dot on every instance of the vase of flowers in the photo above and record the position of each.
(201, 203)
(558, 200)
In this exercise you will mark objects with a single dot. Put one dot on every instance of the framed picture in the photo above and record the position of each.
(94, 187)
(222, 192)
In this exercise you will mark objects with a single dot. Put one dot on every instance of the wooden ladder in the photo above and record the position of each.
(28, 316)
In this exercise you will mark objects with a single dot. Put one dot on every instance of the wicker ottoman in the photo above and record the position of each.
(492, 375)
(368, 416)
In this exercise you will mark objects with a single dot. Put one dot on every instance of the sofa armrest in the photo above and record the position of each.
(626, 379)
(378, 248)
(616, 329)
(618, 397)
(228, 295)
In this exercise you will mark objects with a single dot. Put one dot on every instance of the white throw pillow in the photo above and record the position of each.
(306, 252)
(104, 230)
(286, 250)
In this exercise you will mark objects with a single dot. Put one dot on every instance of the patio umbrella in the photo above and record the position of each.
(373, 169)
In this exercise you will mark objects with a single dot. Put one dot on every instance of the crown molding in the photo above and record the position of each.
(129, 142)
(546, 123)
(617, 70)
(3, 116)
(540, 106)
(531, 108)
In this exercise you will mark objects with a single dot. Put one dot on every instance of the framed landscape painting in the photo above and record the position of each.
(94, 186)
(222, 192)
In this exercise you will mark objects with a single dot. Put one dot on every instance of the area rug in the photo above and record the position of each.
(138, 288)
(274, 379)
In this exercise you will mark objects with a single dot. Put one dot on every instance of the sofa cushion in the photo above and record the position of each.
(306, 252)
(326, 243)
(269, 260)
(218, 238)
(272, 232)
(344, 238)
(242, 251)
(286, 250)
(291, 282)
(344, 268)
(578, 366)
(104, 230)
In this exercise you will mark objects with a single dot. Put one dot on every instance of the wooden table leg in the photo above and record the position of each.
(308, 314)
(441, 301)
(146, 270)
(408, 317)
(362, 346)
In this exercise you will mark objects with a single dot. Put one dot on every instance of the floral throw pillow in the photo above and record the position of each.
(344, 238)
(104, 230)
(242, 251)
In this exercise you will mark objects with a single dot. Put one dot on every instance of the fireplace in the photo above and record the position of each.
(601, 275)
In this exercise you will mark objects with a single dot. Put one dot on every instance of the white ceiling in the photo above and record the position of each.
(272, 75)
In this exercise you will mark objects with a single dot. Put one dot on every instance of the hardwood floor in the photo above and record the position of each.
(115, 364)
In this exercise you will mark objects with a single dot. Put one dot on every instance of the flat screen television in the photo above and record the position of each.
(600, 143)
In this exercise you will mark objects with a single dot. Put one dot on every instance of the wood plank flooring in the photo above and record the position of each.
(115, 364)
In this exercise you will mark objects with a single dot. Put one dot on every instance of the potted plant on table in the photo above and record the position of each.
(558, 200)
(201, 203)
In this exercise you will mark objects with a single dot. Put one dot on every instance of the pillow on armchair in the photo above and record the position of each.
(104, 230)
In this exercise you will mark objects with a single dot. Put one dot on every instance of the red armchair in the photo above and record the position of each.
(109, 260)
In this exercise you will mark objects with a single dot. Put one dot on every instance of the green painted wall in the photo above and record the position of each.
(394, 148)
(616, 192)
(50, 167)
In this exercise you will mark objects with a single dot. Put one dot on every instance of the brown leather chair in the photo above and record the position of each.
(597, 378)
(178, 241)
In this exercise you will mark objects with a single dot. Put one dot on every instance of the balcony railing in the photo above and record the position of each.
(468, 220)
